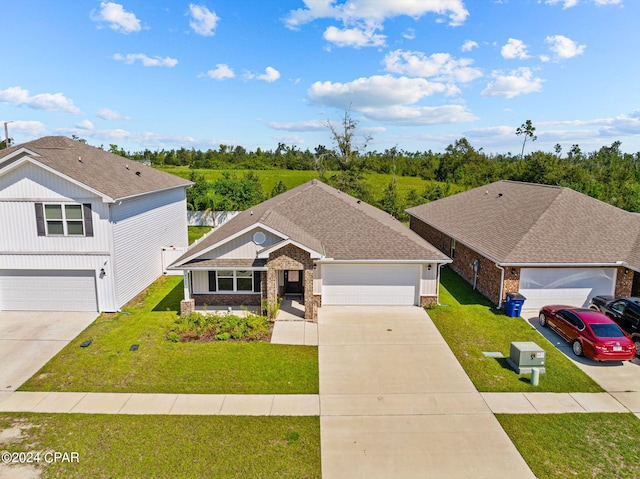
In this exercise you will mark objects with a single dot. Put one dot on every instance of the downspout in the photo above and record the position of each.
(501, 285)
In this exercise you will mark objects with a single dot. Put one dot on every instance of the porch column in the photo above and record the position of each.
(187, 285)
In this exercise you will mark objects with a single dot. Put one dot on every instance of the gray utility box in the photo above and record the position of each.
(524, 356)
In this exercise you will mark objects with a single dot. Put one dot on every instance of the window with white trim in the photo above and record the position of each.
(64, 219)
(232, 281)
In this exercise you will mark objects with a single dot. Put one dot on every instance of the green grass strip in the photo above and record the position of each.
(158, 447)
(471, 326)
(598, 446)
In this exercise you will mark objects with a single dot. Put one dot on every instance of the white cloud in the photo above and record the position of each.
(516, 83)
(311, 125)
(32, 129)
(375, 10)
(109, 114)
(409, 34)
(420, 115)
(43, 101)
(373, 92)
(572, 3)
(117, 17)
(564, 47)
(204, 21)
(469, 45)
(354, 37)
(156, 61)
(514, 49)
(442, 66)
(221, 72)
(270, 75)
(85, 125)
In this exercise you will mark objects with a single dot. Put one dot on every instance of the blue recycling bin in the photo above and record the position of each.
(513, 304)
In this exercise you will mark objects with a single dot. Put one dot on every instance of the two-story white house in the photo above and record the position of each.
(82, 229)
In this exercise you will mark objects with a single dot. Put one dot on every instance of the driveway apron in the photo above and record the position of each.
(29, 339)
(395, 403)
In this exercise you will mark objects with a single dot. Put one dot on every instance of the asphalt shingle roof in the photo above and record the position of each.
(330, 222)
(515, 222)
(111, 175)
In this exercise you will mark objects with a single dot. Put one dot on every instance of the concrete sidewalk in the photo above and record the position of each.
(172, 404)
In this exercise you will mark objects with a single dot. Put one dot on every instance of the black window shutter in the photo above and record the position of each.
(212, 281)
(256, 281)
(88, 219)
(40, 219)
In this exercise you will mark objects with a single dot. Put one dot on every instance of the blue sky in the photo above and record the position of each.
(416, 74)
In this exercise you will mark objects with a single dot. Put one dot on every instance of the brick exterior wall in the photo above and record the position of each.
(187, 306)
(290, 257)
(624, 283)
(427, 300)
(488, 275)
(221, 299)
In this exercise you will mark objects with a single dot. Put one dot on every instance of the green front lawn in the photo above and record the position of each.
(128, 446)
(470, 326)
(161, 366)
(598, 446)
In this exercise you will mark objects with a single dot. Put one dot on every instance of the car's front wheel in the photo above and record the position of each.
(577, 348)
(636, 341)
(542, 319)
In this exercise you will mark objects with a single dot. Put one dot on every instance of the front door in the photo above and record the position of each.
(293, 282)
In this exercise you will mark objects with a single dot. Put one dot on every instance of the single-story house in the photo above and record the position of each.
(314, 242)
(83, 229)
(549, 243)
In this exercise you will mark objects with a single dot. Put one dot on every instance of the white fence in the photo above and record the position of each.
(211, 218)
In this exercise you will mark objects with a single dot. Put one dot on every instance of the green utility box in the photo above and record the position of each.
(526, 355)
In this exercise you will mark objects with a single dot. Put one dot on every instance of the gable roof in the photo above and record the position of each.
(111, 175)
(513, 222)
(328, 221)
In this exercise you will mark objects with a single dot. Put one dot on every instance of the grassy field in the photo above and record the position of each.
(126, 446)
(470, 326)
(598, 446)
(160, 366)
(196, 232)
(293, 178)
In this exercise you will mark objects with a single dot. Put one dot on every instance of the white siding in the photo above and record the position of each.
(35, 183)
(21, 189)
(429, 280)
(200, 281)
(141, 228)
(242, 246)
(69, 262)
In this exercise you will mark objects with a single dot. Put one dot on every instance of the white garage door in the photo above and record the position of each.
(570, 286)
(23, 290)
(370, 284)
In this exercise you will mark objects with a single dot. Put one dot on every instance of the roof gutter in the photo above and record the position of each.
(390, 261)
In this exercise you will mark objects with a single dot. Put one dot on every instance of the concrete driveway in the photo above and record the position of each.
(29, 339)
(612, 376)
(395, 403)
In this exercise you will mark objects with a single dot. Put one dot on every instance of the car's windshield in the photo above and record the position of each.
(607, 330)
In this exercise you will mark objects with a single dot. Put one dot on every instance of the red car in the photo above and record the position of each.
(590, 333)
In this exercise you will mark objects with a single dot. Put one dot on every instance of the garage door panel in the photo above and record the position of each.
(359, 284)
(23, 290)
(570, 286)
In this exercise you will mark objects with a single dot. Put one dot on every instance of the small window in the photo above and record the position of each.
(64, 220)
(225, 280)
(244, 280)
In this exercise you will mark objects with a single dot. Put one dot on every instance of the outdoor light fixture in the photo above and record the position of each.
(626, 271)
(429, 268)
(513, 271)
(102, 272)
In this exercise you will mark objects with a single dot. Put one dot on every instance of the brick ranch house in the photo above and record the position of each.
(549, 243)
(315, 243)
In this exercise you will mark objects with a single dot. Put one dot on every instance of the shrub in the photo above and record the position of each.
(197, 326)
